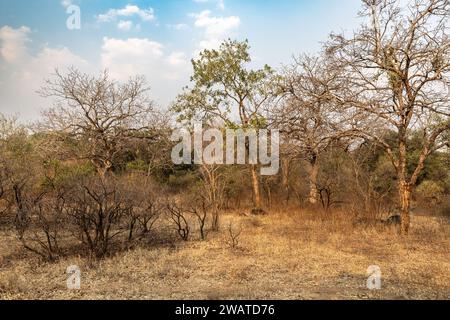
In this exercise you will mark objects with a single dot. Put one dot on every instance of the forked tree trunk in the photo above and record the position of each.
(256, 188)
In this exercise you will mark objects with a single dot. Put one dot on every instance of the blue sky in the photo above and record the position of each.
(153, 38)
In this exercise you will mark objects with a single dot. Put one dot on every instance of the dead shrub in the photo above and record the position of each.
(145, 207)
(201, 213)
(96, 208)
(179, 219)
(233, 236)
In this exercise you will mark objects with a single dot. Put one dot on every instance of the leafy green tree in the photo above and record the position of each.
(225, 89)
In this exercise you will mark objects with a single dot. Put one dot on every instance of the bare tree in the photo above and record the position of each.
(308, 115)
(200, 211)
(233, 236)
(213, 187)
(98, 112)
(398, 67)
(145, 205)
(41, 233)
(96, 208)
(179, 218)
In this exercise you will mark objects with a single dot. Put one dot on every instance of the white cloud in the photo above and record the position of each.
(178, 66)
(220, 3)
(129, 57)
(216, 26)
(66, 3)
(125, 58)
(216, 29)
(133, 56)
(177, 59)
(179, 26)
(125, 25)
(13, 43)
(127, 11)
(23, 72)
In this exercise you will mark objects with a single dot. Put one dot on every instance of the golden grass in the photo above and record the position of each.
(280, 256)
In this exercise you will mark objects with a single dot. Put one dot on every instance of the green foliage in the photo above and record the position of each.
(137, 165)
(61, 175)
(223, 88)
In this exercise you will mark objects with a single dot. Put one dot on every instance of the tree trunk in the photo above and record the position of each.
(269, 195)
(215, 224)
(404, 187)
(405, 201)
(313, 175)
(285, 179)
(256, 188)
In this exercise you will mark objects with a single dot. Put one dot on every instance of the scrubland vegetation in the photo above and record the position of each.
(296, 254)
(364, 177)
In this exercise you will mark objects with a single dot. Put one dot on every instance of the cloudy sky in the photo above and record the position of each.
(154, 38)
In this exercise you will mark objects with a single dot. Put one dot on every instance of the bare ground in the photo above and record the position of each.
(280, 256)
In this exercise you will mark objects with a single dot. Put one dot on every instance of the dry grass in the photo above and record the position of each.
(280, 256)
